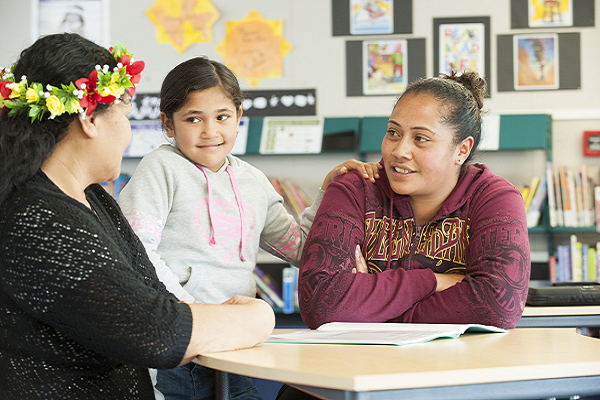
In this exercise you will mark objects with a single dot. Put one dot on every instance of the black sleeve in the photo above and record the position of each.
(66, 272)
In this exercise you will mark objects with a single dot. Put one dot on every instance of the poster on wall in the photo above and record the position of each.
(544, 13)
(385, 67)
(291, 135)
(183, 23)
(536, 63)
(266, 103)
(89, 18)
(371, 17)
(147, 132)
(462, 48)
(254, 48)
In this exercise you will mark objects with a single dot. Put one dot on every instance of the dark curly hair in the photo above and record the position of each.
(461, 100)
(55, 60)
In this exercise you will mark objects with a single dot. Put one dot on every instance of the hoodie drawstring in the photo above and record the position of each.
(238, 199)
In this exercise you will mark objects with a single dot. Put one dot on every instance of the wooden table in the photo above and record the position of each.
(521, 364)
(560, 317)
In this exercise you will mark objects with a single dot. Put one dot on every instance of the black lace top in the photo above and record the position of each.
(82, 313)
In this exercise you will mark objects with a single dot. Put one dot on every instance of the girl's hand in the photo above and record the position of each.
(369, 170)
(361, 264)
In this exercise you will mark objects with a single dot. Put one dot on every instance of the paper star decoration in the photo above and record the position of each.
(254, 48)
(183, 22)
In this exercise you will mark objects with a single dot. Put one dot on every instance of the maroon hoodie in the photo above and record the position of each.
(480, 230)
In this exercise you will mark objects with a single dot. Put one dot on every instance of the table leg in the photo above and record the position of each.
(221, 385)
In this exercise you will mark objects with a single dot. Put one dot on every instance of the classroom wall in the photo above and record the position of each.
(317, 60)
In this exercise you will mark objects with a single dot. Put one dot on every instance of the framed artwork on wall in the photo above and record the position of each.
(462, 44)
(368, 17)
(401, 61)
(89, 18)
(384, 66)
(565, 69)
(371, 17)
(535, 61)
(535, 14)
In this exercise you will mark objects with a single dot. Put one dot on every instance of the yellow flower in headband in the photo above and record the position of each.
(113, 89)
(55, 106)
(17, 89)
(72, 106)
(31, 95)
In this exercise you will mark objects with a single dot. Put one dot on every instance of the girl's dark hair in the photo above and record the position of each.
(197, 74)
(461, 102)
(55, 60)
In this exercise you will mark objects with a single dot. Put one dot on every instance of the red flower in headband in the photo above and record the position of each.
(134, 70)
(91, 97)
(4, 90)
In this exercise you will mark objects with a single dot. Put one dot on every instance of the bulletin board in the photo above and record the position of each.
(416, 67)
(340, 17)
(569, 46)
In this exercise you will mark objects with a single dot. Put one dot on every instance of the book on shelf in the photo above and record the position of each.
(552, 266)
(576, 262)
(294, 199)
(550, 190)
(593, 262)
(524, 190)
(560, 218)
(571, 196)
(536, 205)
(531, 192)
(268, 288)
(563, 263)
(576, 259)
(114, 187)
(264, 296)
(396, 334)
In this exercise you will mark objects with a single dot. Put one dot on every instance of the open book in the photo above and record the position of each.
(379, 333)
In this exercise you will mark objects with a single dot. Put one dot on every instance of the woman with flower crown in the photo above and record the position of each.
(82, 312)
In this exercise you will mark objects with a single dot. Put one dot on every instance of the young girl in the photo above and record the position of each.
(202, 213)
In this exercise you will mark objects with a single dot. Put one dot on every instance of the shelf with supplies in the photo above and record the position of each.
(365, 134)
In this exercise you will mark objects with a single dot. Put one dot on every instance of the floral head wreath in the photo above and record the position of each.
(102, 86)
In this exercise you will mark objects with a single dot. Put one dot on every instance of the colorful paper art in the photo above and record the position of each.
(371, 17)
(384, 66)
(546, 13)
(536, 61)
(183, 22)
(462, 48)
(254, 48)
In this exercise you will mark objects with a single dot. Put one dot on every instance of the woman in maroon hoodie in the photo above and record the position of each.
(435, 240)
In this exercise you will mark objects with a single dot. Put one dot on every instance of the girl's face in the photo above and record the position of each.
(419, 154)
(205, 127)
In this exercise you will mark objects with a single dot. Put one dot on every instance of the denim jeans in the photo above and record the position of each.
(195, 382)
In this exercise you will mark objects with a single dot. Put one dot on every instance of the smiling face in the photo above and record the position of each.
(205, 127)
(420, 157)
